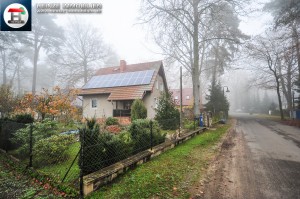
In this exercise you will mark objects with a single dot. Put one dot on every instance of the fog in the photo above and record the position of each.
(235, 51)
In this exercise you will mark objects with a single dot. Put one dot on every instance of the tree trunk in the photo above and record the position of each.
(19, 81)
(85, 71)
(35, 60)
(196, 72)
(3, 54)
(286, 85)
(297, 44)
(279, 96)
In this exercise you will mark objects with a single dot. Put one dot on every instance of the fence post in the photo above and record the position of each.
(5, 136)
(208, 120)
(30, 145)
(82, 140)
(151, 133)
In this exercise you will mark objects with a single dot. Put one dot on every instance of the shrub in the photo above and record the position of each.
(190, 124)
(117, 149)
(138, 110)
(102, 149)
(51, 150)
(40, 130)
(91, 156)
(24, 118)
(166, 114)
(111, 121)
(141, 135)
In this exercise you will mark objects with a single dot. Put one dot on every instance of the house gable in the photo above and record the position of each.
(130, 91)
(121, 94)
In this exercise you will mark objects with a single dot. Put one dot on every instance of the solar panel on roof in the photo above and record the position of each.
(120, 79)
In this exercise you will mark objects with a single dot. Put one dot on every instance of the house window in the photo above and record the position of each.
(94, 103)
(155, 102)
(127, 105)
(157, 84)
(176, 97)
(161, 87)
(187, 97)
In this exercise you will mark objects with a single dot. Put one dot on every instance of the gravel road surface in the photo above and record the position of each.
(260, 159)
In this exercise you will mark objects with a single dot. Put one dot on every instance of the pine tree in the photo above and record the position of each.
(138, 110)
(166, 113)
(90, 158)
(217, 101)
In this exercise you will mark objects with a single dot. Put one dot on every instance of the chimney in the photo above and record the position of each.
(122, 66)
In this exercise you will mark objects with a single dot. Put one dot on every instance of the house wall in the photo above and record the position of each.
(104, 108)
(151, 98)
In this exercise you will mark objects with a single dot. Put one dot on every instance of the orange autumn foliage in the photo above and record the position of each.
(57, 104)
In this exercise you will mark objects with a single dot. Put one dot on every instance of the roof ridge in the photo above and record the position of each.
(132, 64)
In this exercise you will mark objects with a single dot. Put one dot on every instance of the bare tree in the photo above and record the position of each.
(83, 49)
(286, 13)
(17, 59)
(182, 30)
(5, 47)
(267, 51)
(45, 35)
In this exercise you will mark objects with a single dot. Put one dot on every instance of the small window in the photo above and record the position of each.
(155, 102)
(94, 103)
(161, 87)
(176, 97)
(187, 97)
(127, 105)
(157, 84)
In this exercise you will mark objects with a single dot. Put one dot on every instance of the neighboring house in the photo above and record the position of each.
(187, 97)
(187, 101)
(112, 90)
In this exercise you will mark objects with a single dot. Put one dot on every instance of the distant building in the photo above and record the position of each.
(112, 90)
(187, 97)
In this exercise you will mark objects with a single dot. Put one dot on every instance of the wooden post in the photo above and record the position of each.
(180, 100)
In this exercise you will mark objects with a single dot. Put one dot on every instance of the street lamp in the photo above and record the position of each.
(227, 90)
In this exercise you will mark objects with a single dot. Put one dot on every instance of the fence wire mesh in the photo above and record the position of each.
(66, 156)
(37, 146)
(104, 149)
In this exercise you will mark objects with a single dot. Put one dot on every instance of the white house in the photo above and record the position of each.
(112, 90)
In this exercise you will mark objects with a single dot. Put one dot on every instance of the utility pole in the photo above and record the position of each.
(180, 100)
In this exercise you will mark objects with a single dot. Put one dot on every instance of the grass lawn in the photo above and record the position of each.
(59, 170)
(169, 175)
(269, 117)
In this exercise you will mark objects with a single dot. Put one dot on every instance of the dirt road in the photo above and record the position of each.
(260, 159)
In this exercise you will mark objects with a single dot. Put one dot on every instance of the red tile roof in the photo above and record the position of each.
(185, 92)
(128, 92)
(130, 68)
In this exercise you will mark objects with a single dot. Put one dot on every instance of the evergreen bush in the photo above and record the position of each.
(24, 118)
(138, 110)
(141, 135)
(167, 115)
(51, 150)
(111, 121)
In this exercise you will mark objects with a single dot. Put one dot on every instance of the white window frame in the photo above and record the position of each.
(176, 97)
(161, 87)
(96, 101)
(187, 97)
(155, 103)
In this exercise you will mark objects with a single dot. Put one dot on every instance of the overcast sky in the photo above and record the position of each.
(118, 24)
